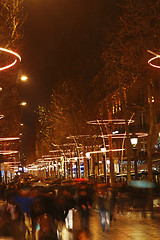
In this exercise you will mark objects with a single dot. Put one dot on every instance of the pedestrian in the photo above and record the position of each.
(2, 191)
(11, 227)
(47, 229)
(69, 207)
(37, 209)
(104, 201)
(84, 203)
(24, 200)
(83, 235)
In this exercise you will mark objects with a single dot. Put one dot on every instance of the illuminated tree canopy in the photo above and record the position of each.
(12, 18)
(65, 115)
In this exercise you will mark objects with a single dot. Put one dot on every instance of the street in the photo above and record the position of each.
(131, 225)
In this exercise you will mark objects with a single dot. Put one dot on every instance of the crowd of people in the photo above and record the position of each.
(45, 209)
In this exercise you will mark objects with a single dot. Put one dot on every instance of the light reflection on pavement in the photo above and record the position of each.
(123, 227)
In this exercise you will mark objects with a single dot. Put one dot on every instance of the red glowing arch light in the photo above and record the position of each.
(15, 60)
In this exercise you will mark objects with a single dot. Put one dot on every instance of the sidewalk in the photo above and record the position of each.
(129, 226)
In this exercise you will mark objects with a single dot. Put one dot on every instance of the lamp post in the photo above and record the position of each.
(103, 150)
(134, 141)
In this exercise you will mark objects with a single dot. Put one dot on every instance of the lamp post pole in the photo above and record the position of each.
(135, 162)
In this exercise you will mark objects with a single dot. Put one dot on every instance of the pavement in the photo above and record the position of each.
(131, 225)
(127, 225)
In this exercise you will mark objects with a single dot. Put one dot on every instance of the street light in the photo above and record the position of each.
(24, 78)
(87, 155)
(103, 149)
(134, 141)
(23, 103)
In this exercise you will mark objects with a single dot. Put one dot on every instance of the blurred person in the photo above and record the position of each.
(16, 214)
(47, 229)
(24, 200)
(140, 199)
(69, 206)
(10, 227)
(60, 207)
(82, 235)
(122, 201)
(2, 191)
(84, 204)
(113, 202)
(9, 191)
(36, 210)
(104, 201)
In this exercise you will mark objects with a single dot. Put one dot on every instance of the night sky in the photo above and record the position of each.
(64, 40)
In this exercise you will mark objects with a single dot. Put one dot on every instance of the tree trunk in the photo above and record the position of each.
(110, 152)
(85, 163)
(71, 165)
(128, 143)
(150, 134)
(149, 147)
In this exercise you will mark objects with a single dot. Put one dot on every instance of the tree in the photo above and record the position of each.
(65, 115)
(12, 18)
(125, 62)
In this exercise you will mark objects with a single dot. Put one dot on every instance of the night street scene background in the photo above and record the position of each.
(79, 119)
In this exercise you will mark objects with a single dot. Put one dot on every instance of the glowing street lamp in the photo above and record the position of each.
(88, 155)
(103, 149)
(24, 78)
(23, 103)
(134, 140)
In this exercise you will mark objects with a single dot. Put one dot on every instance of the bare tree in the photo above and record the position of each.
(12, 18)
(125, 59)
(65, 115)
